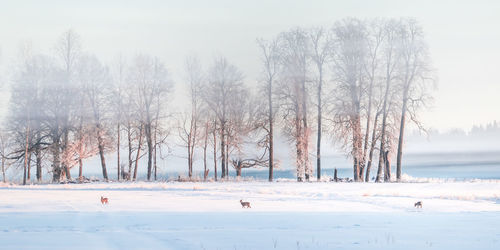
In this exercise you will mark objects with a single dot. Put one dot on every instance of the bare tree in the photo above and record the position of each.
(224, 82)
(320, 49)
(214, 143)
(118, 75)
(189, 131)
(415, 74)
(96, 86)
(152, 82)
(26, 109)
(349, 57)
(68, 49)
(4, 140)
(294, 51)
(375, 39)
(391, 59)
(271, 68)
(205, 138)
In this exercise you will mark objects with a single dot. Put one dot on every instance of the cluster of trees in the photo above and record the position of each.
(68, 106)
(359, 81)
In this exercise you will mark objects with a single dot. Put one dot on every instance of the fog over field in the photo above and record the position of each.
(249, 124)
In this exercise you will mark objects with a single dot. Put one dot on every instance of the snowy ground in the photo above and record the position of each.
(284, 215)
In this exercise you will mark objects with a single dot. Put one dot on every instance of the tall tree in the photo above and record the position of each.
(415, 74)
(349, 56)
(271, 67)
(391, 60)
(68, 50)
(224, 82)
(320, 49)
(96, 86)
(26, 109)
(118, 93)
(375, 39)
(189, 130)
(294, 51)
(153, 83)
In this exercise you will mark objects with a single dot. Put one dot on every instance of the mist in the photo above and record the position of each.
(76, 78)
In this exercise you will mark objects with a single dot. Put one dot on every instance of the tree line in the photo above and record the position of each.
(359, 82)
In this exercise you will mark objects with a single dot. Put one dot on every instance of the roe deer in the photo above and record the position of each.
(104, 200)
(245, 204)
(418, 204)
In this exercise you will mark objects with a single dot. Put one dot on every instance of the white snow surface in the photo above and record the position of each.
(284, 215)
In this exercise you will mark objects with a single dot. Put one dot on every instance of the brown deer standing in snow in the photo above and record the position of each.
(104, 200)
(245, 204)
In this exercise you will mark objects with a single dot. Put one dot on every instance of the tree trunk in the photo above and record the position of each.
(227, 160)
(3, 169)
(387, 175)
(138, 153)
(118, 152)
(155, 145)
(29, 167)
(372, 148)
(155, 166)
(271, 136)
(362, 164)
(190, 160)
(384, 125)
(100, 145)
(56, 164)
(299, 146)
(367, 132)
(38, 155)
(65, 146)
(26, 154)
(149, 140)
(318, 143)
(305, 132)
(80, 169)
(356, 146)
(356, 168)
(380, 163)
(205, 153)
(68, 173)
(129, 138)
(238, 172)
(222, 150)
(400, 141)
(215, 153)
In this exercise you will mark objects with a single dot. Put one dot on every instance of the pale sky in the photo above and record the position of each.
(464, 38)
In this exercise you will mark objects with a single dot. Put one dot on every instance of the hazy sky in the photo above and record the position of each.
(464, 38)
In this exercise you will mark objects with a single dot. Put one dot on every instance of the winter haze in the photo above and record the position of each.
(249, 124)
(463, 37)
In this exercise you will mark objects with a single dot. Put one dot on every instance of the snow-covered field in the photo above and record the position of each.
(284, 215)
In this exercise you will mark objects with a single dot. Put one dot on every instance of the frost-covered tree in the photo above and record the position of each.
(349, 57)
(294, 51)
(68, 51)
(152, 84)
(189, 129)
(95, 83)
(271, 65)
(26, 111)
(118, 75)
(222, 95)
(416, 77)
(320, 53)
